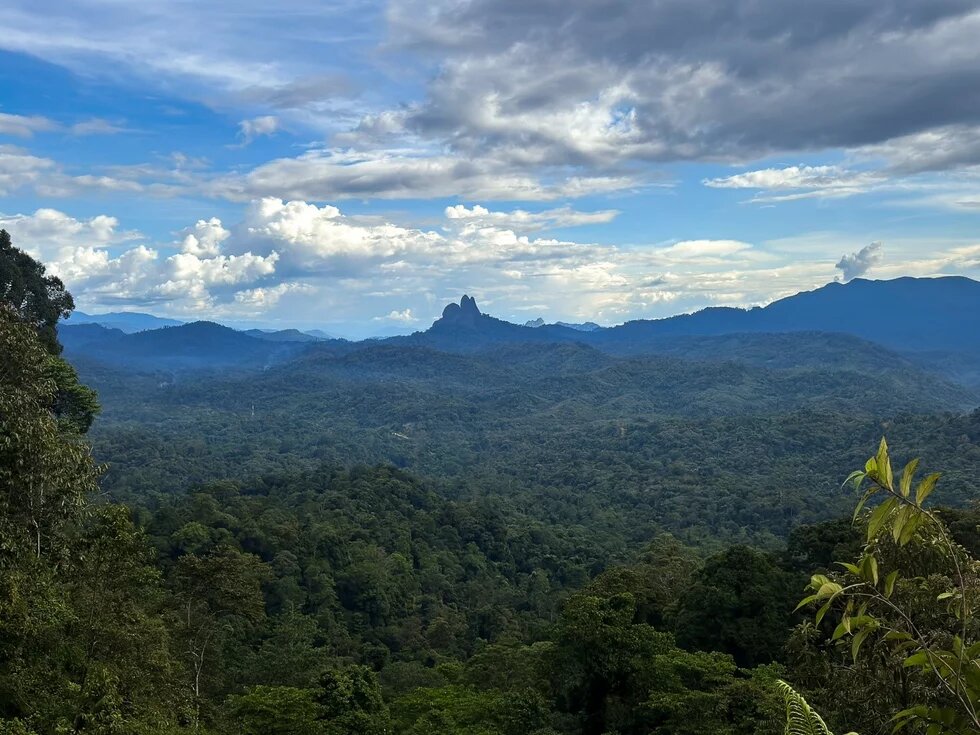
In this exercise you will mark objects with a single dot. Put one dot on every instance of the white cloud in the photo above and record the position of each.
(857, 264)
(249, 130)
(204, 238)
(265, 297)
(332, 174)
(527, 221)
(24, 126)
(18, 168)
(404, 316)
(100, 263)
(706, 248)
(296, 262)
(803, 182)
(97, 126)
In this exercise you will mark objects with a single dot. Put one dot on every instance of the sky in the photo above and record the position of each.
(355, 165)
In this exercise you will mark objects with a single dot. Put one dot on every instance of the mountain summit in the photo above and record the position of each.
(464, 314)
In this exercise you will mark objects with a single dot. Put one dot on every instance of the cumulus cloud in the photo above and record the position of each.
(104, 265)
(545, 100)
(204, 238)
(265, 297)
(249, 130)
(298, 261)
(857, 264)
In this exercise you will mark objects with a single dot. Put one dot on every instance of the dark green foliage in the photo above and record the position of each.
(39, 300)
(351, 703)
(275, 710)
(740, 602)
(83, 647)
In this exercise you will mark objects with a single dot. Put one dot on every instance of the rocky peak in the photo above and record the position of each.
(465, 313)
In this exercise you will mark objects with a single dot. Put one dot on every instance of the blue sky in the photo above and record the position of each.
(355, 165)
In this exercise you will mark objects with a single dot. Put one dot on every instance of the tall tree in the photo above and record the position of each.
(38, 299)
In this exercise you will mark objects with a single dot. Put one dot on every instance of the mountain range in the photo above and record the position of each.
(927, 323)
(906, 314)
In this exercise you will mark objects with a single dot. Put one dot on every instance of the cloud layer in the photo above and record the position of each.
(297, 261)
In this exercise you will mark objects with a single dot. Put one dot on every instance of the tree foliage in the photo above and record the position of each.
(39, 300)
(910, 598)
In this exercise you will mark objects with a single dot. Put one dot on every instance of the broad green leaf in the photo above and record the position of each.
(884, 465)
(821, 613)
(878, 517)
(911, 526)
(858, 640)
(905, 484)
(926, 487)
(897, 635)
(917, 659)
(899, 524)
(806, 601)
(890, 583)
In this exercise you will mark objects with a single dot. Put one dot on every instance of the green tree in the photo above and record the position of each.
(601, 648)
(912, 594)
(351, 703)
(275, 710)
(83, 648)
(215, 595)
(740, 603)
(45, 472)
(39, 300)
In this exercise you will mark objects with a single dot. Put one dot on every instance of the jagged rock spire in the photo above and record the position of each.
(464, 313)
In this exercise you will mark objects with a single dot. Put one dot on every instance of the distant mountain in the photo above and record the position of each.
(198, 345)
(908, 314)
(905, 314)
(320, 334)
(281, 335)
(584, 327)
(126, 321)
(933, 322)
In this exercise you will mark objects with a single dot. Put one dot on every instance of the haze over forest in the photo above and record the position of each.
(383, 367)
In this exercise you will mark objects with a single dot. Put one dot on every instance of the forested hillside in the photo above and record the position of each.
(520, 539)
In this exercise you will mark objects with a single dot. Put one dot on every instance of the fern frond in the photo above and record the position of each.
(801, 719)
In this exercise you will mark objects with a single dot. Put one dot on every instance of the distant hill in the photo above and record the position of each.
(198, 345)
(583, 327)
(126, 321)
(282, 335)
(76, 337)
(908, 314)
